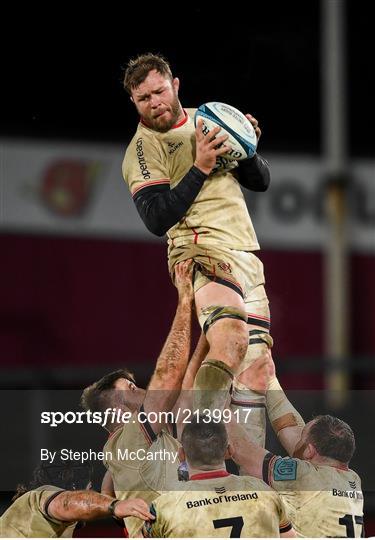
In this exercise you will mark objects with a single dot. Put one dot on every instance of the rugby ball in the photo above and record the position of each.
(241, 134)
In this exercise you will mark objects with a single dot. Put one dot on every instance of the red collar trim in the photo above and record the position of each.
(342, 467)
(181, 123)
(209, 474)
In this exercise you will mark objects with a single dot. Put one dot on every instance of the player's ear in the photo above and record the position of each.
(229, 451)
(181, 454)
(310, 451)
(132, 386)
(131, 99)
(176, 84)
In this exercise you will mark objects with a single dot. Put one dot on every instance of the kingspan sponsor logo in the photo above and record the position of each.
(141, 159)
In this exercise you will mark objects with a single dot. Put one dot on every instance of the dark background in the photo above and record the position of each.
(71, 308)
(66, 68)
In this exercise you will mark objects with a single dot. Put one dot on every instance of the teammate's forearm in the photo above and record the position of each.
(79, 506)
(246, 454)
(196, 360)
(280, 410)
(172, 361)
(285, 419)
(185, 399)
(160, 207)
(254, 173)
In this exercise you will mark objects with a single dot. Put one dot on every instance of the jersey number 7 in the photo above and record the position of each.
(235, 522)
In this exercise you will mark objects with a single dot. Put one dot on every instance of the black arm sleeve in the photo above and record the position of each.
(254, 173)
(161, 207)
(266, 466)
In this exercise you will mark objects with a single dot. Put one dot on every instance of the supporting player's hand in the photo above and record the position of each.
(133, 507)
(258, 374)
(209, 147)
(183, 279)
(254, 123)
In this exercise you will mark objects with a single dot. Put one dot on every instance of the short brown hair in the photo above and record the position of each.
(96, 396)
(205, 442)
(138, 68)
(333, 438)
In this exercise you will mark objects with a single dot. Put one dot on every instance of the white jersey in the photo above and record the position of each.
(218, 216)
(218, 505)
(322, 501)
(141, 463)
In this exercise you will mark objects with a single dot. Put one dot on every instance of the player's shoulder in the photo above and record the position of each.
(354, 476)
(126, 432)
(341, 475)
(142, 136)
(48, 488)
(253, 483)
(113, 437)
(142, 148)
(191, 112)
(169, 500)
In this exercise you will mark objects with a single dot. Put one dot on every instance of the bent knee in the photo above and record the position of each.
(230, 338)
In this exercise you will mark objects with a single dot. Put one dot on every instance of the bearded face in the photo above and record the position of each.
(156, 100)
